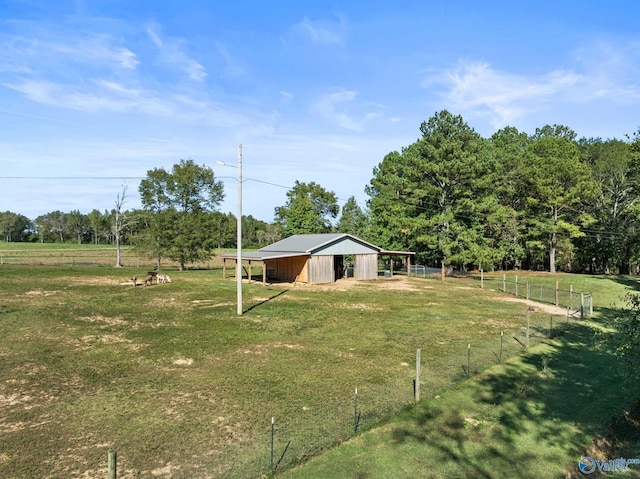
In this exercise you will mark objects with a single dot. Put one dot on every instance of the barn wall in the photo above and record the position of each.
(366, 266)
(288, 269)
(321, 269)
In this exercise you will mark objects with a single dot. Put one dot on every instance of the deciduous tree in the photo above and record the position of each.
(309, 209)
(179, 201)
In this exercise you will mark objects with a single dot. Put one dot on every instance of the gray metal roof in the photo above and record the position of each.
(312, 242)
(305, 245)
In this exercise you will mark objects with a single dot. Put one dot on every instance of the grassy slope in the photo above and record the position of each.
(181, 387)
(519, 419)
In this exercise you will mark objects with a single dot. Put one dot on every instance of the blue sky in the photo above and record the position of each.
(95, 93)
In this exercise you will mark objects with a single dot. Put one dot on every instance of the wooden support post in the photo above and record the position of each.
(557, 292)
(526, 340)
(504, 283)
(224, 268)
(249, 272)
(112, 464)
(481, 279)
(264, 273)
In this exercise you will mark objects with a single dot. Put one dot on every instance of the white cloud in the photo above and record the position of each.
(322, 32)
(476, 89)
(172, 52)
(602, 71)
(328, 107)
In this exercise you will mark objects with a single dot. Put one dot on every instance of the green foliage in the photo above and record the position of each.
(14, 227)
(428, 197)
(309, 209)
(624, 335)
(180, 227)
(353, 220)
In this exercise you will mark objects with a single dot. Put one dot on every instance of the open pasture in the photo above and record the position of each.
(180, 386)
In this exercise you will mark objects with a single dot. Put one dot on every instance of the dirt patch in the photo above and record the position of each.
(500, 324)
(260, 349)
(362, 306)
(104, 319)
(183, 362)
(534, 305)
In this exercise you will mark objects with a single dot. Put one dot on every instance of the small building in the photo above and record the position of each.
(317, 258)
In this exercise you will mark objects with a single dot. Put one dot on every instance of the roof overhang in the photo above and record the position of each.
(263, 255)
(396, 253)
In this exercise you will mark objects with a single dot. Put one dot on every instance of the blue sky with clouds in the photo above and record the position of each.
(95, 93)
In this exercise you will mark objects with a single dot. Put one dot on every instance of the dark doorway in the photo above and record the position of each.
(338, 267)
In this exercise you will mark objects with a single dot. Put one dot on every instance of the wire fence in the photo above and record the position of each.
(577, 303)
(282, 442)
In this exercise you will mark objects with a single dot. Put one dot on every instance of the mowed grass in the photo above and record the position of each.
(180, 386)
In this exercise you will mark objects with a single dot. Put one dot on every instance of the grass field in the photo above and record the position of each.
(181, 387)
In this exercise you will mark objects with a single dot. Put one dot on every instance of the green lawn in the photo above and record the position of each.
(180, 386)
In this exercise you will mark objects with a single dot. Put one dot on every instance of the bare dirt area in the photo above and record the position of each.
(399, 282)
(547, 308)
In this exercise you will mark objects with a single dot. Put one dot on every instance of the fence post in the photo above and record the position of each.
(516, 285)
(570, 296)
(550, 326)
(416, 391)
(526, 341)
(557, 293)
(481, 279)
(591, 304)
(273, 421)
(504, 283)
(355, 412)
(469, 360)
(112, 464)
(581, 305)
(528, 290)
(501, 341)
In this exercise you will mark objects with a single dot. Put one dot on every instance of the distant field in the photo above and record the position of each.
(177, 383)
(85, 254)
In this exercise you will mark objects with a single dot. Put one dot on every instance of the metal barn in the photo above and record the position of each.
(316, 258)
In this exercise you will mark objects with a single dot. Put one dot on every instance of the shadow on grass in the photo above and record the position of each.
(265, 301)
(520, 418)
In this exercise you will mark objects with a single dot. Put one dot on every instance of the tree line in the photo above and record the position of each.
(541, 201)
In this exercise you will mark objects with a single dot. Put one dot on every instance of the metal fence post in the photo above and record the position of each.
(526, 343)
(469, 360)
(416, 388)
(355, 412)
(273, 420)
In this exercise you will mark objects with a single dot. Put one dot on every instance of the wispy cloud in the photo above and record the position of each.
(341, 107)
(322, 32)
(476, 89)
(329, 106)
(601, 71)
(172, 52)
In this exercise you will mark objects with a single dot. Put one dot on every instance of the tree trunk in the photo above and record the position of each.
(554, 241)
(552, 253)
